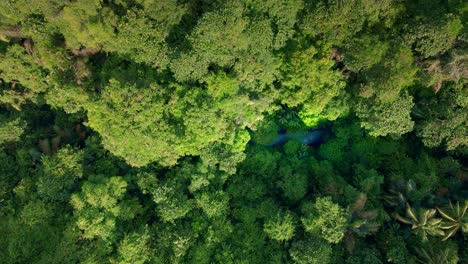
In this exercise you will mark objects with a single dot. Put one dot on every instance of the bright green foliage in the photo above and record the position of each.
(22, 75)
(86, 23)
(171, 204)
(150, 47)
(311, 251)
(134, 248)
(226, 38)
(434, 37)
(193, 123)
(213, 204)
(11, 130)
(443, 125)
(282, 13)
(266, 132)
(257, 66)
(60, 175)
(173, 131)
(335, 20)
(17, 66)
(128, 120)
(168, 12)
(280, 227)
(310, 80)
(17, 10)
(392, 75)
(325, 219)
(71, 98)
(365, 52)
(336, 107)
(382, 119)
(217, 38)
(100, 205)
(306, 76)
(225, 157)
(200, 118)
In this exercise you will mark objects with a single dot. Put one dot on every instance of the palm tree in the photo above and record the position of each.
(454, 218)
(360, 222)
(398, 193)
(423, 223)
(431, 257)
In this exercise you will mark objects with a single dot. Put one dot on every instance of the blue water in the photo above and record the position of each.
(306, 137)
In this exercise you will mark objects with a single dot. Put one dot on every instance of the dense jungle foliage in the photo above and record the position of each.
(246, 131)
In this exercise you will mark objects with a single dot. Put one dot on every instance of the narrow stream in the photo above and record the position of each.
(313, 137)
